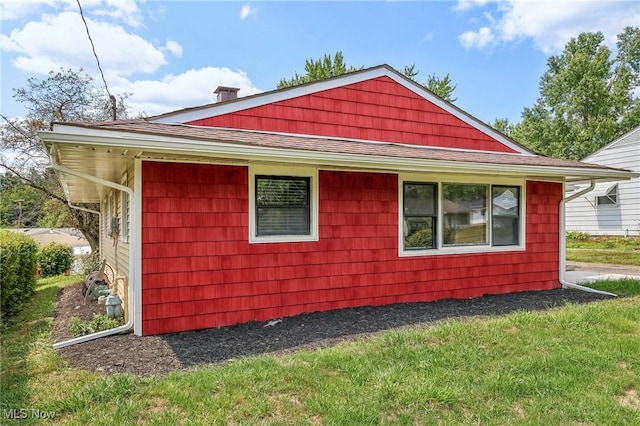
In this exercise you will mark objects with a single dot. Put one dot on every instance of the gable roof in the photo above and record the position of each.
(632, 137)
(390, 108)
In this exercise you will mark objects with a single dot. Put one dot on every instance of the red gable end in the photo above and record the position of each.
(378, 109)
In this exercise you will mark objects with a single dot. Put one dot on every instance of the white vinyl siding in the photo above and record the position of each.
(584, 214)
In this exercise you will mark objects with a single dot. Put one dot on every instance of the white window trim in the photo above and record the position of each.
(124, 217)
(283, 170)
(459, 179)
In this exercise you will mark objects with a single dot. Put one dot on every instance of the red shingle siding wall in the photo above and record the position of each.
(199, 271)
(379, 110)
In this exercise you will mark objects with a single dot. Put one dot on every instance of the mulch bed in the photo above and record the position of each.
(162, 354)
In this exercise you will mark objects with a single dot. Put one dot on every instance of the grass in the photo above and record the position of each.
(582, 247)
(579, 364)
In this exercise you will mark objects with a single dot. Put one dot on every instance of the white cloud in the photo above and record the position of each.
(191, 88)
(247, 10)
(67, 45)
(478, 39)
(126, 11)
(548, 24)
(59, 40)
(173, 47)
(469, 4)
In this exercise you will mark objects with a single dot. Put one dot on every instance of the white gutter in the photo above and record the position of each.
(126, 327)
(563, 244)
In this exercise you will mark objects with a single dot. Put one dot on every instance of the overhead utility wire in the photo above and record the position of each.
(93, 47)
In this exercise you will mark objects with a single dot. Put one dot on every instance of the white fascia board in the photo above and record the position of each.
(280, 95)
(212, 149)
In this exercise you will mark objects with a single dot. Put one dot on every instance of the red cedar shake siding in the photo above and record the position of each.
(199, 270)
(378, 110)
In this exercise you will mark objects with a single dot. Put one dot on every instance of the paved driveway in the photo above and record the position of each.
(580, 273)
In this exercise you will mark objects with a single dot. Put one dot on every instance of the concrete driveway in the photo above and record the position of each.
(581, 273)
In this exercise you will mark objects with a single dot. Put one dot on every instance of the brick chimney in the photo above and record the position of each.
(226, 93)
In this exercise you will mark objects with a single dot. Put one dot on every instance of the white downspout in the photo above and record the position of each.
(563, 244)
(126, 327)
(84, 209)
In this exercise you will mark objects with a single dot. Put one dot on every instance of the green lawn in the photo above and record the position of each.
(577, 365)
(614, 250)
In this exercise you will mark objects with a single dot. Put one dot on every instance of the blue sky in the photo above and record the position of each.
(173, 54)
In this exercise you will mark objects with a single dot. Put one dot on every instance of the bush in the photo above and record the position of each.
(577, 236)
(18, 259)
(55, 259)
(87, 263)
(100, 322)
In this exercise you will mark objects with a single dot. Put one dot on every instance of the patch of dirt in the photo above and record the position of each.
(69, 304)
(630, 399)
(151, 355)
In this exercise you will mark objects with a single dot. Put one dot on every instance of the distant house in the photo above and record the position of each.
(359, 190)
(70, 236)
(612, 208)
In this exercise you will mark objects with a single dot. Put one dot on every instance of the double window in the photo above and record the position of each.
(452, 217)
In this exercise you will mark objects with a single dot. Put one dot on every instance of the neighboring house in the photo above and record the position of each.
(612, 208)
(362, 189)
(70, 236)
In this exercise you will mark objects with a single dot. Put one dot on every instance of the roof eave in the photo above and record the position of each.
(147, 145)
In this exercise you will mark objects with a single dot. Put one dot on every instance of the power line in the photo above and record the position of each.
(93, 47)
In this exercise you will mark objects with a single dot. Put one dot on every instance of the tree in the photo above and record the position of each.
(65, 95)
(586, 97)
(329, 67)
(318, 70)
(443, 87)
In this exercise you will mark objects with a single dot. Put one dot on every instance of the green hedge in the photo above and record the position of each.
(18, 260)
(55, 259)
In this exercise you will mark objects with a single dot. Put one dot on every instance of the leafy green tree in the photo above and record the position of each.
(319, 69)
(587, 97)
(326, 67)
(443, 87)
(65, 95)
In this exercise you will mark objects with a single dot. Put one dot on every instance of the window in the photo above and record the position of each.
(505, 215)
(282, 205)
(112, 217)
(464, 213)
(460, 217)
(610, 197)
(420, 215)
(124, 211)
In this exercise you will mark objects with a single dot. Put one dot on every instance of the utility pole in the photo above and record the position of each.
(19, 211)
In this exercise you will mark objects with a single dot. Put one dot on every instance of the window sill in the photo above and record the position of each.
(460, 250)
(283, 239)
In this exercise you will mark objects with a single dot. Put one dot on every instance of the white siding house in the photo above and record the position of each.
(611, 208)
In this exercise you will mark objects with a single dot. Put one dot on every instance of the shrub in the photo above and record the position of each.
(18, 259)
(87, 263)
(577, 236)
(100, 322)
(55, 259)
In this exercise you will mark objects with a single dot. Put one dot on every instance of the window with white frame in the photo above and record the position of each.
(458, 217)
(283, 204)
(420, 215)
(124, 211)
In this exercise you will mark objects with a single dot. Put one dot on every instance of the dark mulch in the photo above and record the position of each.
(162, 354)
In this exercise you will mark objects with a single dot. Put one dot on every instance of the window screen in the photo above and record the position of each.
(282, 205)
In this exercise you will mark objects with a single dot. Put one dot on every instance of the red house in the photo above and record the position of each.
(362, 189)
